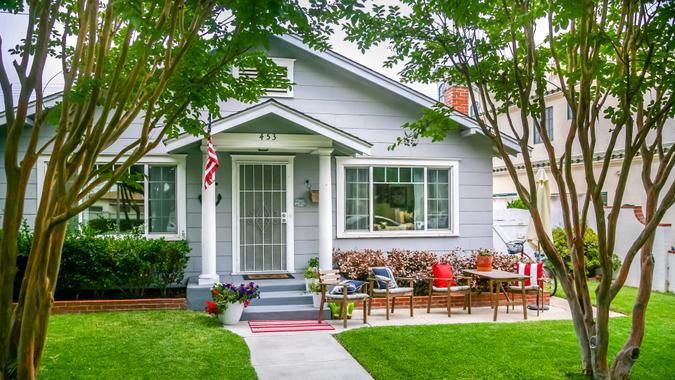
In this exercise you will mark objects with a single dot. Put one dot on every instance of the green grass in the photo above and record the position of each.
(529, 350)
(143, 345)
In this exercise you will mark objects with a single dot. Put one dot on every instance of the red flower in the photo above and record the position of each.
(214, 292)
(246, 303)
(212, 308)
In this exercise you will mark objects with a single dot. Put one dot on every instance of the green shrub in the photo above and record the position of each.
(130, 263)
(516, 203)
(591, 260)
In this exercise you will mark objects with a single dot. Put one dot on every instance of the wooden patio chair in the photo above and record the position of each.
(534, 284)
(331, 277)
(445, 274)
(387, 288)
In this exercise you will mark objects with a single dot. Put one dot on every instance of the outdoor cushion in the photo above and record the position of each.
(443, 271)
(393, 291)
(352, 286)
(382, 274)
(533, 271)
(354, 296)
(519, 288)
(452, 288)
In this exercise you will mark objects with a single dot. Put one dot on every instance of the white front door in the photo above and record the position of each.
(262, 214)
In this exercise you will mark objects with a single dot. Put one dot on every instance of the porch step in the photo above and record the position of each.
(283, 312)
(294, 297)
(286, 285)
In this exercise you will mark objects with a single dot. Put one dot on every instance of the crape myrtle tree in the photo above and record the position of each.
(154, 65)
(612, 60)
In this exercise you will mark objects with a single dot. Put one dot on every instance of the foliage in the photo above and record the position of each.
(157, 345)
(354, 263)
(516, 203)
(130, 263)
(485, 252)
(313, 262)
(223, 295)
(315, 287)
(592, 261)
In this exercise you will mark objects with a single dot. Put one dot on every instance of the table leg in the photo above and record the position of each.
(496, 294)
(522, 289)
(492, 298)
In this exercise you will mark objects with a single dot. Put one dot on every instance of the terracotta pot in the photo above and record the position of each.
(484, 263)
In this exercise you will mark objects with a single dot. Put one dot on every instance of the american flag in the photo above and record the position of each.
(211, 165)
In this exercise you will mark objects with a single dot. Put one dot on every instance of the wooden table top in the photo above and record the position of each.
(496, 274)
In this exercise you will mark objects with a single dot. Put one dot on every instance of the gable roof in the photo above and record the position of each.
(468, 125)
(272, 106)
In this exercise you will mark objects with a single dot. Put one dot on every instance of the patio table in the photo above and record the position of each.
(497, 278)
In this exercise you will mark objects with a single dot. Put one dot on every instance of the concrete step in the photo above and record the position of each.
(286, 285)
(283, 312)
(293, 297)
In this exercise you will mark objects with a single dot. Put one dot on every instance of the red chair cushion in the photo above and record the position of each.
(443, 271)
(532, 271)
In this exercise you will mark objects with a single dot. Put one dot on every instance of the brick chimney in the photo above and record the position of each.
(457, 97)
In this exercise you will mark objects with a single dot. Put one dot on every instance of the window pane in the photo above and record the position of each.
(162, 199)
(356, 202)
(399, 204)
(378, 174)
(121, 209)
(438, 198)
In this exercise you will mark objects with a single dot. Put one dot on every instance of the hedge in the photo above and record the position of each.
(129, 263)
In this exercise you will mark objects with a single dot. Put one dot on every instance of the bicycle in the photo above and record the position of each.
(515, 247)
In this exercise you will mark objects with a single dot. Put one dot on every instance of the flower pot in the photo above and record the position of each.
(232, 314)
(316, 299)
(484, 263)
(309, 281)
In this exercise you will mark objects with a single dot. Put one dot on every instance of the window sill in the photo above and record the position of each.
(394, 234)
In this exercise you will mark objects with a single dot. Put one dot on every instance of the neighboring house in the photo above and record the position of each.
(559, 116)
(330, 132)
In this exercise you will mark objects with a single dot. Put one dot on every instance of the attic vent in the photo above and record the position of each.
(284, 63)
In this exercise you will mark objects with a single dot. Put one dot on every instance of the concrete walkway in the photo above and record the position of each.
(317, 355)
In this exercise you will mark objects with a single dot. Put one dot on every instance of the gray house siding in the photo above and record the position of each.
(340, 99)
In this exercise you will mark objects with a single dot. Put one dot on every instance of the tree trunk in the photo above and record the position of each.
(629, 354)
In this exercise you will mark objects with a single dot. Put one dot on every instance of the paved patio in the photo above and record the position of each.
(316, 354)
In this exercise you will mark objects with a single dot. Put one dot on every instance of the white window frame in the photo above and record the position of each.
(289, 64)
(181, 197)
(453, 198)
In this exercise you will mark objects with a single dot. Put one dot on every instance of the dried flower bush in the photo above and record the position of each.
(354, 263)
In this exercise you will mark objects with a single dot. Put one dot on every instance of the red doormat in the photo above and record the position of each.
(288, 326)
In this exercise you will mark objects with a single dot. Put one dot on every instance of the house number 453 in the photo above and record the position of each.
(268, 136)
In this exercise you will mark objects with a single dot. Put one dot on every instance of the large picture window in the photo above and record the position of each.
(387, 198)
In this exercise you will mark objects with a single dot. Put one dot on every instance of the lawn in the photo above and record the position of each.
(143, 345)
(528, 350)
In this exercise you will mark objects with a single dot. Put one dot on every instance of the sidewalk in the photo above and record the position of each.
(317, 355)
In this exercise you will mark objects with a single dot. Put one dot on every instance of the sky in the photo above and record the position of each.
(12, 28)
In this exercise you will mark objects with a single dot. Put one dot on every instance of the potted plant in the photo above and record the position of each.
(229, 300)
(315, 289)
(336, 310)
(311, 273)
(484, 260)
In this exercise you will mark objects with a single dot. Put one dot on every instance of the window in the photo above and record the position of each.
(150, 197)
(286, 65)
(396, 198)
(549, 127)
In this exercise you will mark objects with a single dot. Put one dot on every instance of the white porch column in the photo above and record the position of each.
(325, 209)
(208, 275)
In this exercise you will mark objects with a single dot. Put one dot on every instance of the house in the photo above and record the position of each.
(559, 115)
(330, 132)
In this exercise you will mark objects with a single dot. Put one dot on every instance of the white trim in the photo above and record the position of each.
(453, 179)
(276, 108)
(181, 195)
(279, 143)
(290, 224)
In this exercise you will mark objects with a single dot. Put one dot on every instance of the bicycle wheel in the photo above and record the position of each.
(550, 281)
